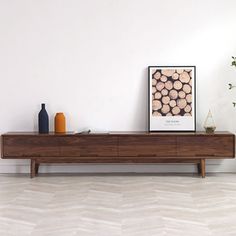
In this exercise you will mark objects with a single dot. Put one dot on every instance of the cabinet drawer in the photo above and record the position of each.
(205, 146)
(149, 146)
(89, 146)
(30, 146)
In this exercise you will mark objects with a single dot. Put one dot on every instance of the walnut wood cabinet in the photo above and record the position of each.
(114, 147)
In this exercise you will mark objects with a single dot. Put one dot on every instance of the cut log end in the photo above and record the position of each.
(176, 110)
(165, 109)
(154, 90)
(157, 95)
(168, 85)
(168, 72)
(165, 100)
(189, 98)
(188, 108)
(156, 105)
(187, 114)
(179, 71)
(178, 85)
(164, 92)
(181, 103)
(163, 78)
(155, 113)
(154, 82)
(172, 103)
(182, 94)
(184, 77)
(157, 75)
(173, 94)
(160, 86)
(187, 88)
(175, 76)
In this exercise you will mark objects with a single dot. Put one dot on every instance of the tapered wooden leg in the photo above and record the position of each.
(36, 168)
(199, 168)
(32, 168)
(203, 168)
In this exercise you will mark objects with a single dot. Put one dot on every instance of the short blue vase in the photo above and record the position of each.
(43, 121)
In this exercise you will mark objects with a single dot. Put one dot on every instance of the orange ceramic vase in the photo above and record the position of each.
(60, 123)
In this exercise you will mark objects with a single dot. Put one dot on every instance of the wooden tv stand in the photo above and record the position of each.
(118, 147)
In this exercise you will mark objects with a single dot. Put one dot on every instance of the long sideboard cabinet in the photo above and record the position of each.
(118, 147)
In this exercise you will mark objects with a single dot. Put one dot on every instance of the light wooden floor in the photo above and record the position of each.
(107, 205)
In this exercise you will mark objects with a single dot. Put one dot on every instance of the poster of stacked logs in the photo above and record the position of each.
(172, 98)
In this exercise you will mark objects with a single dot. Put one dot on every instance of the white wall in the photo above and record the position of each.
(89, 59)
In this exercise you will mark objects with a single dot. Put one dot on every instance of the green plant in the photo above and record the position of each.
(231, 86)
(234, 61)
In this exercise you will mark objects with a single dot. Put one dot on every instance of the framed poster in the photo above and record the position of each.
(172, 98)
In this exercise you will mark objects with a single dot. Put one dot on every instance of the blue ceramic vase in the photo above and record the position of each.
(43, 120)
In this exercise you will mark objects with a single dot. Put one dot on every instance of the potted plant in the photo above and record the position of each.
(231, 86)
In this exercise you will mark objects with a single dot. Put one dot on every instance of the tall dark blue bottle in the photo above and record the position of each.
(43, 121)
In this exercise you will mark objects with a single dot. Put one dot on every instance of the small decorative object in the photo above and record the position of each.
(172, 98)
(209, 124)
(43, 121)
(60, 123)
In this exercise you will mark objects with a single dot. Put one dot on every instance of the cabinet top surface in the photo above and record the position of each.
(121, 133)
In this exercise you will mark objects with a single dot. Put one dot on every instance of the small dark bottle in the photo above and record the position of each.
(43, 120)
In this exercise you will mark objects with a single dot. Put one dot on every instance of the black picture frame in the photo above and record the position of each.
(172, 118)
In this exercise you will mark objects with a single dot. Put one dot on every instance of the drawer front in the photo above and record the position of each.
(205, 146)
(89, 146)
(147, 146)
(30, 146)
